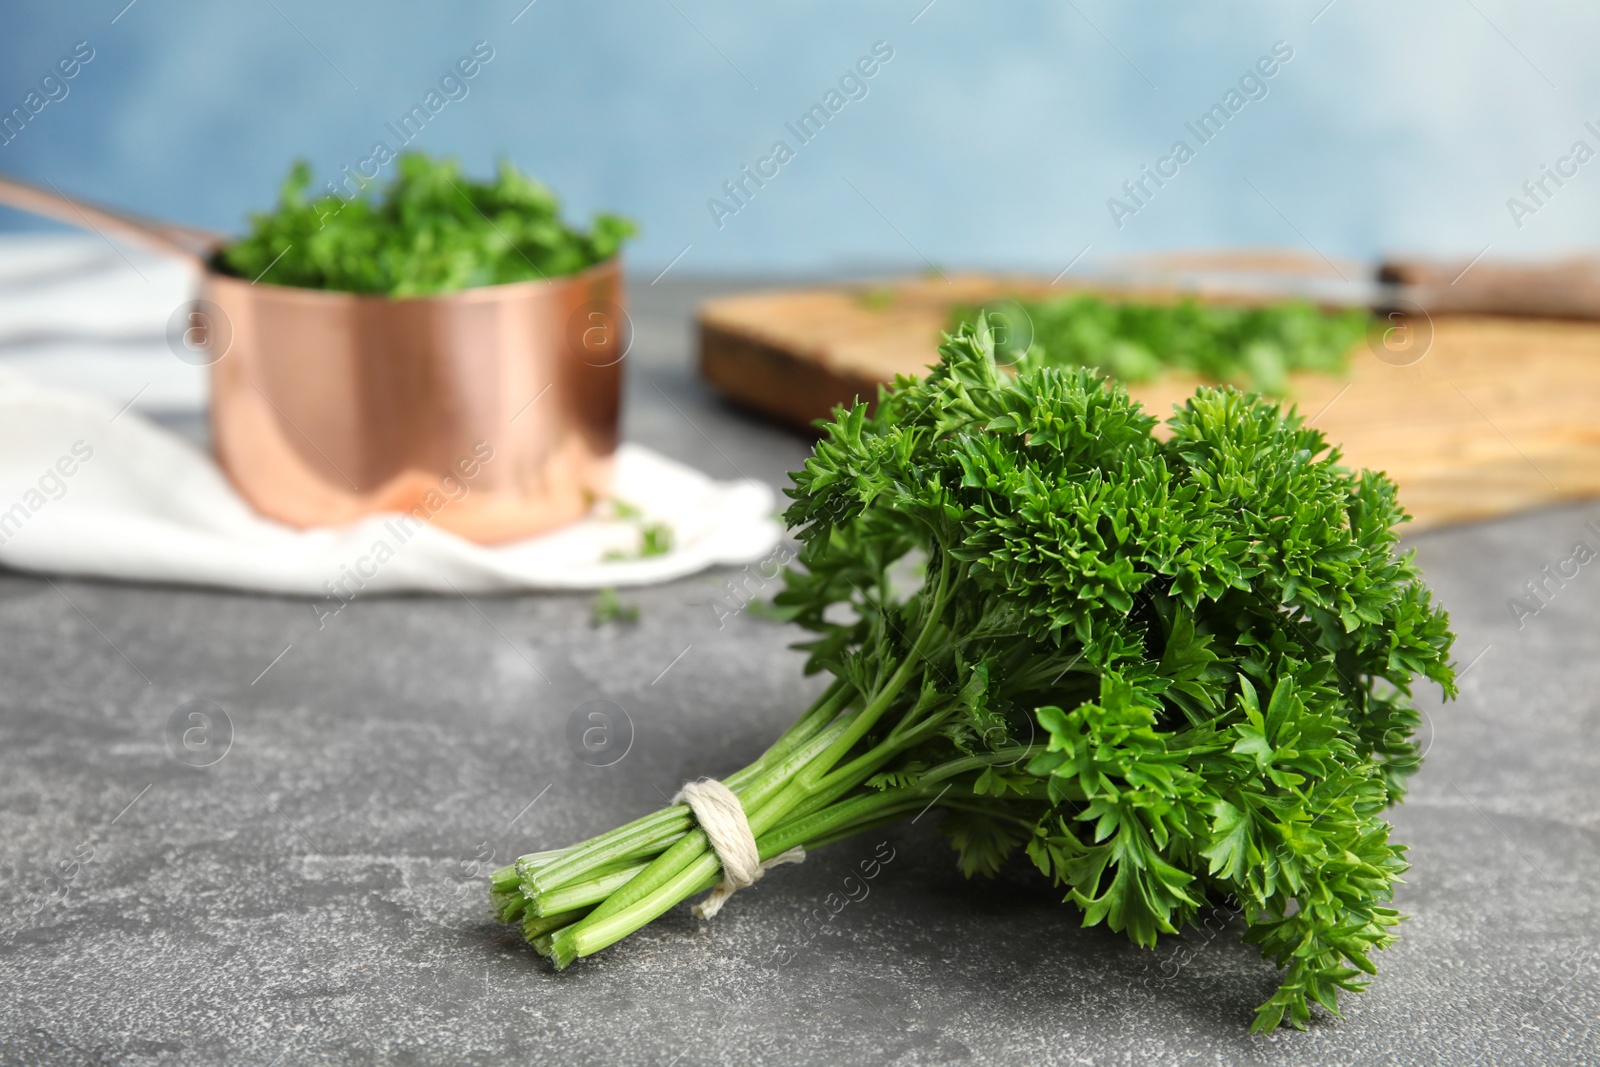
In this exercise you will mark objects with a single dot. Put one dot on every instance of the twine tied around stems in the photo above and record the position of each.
(722, 818)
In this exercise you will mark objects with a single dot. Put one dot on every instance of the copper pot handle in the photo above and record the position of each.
(186, 242)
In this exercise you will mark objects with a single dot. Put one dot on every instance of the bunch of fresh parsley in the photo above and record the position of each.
(1250, 347)
(1171, 669)
(433, 231)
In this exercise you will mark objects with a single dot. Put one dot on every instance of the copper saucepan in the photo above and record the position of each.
(491, 412)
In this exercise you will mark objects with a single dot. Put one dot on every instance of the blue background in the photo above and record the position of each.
(993, 138)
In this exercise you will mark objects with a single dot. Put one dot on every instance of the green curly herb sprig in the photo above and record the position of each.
(1250, 347)
(1171, 670)
(434, 230)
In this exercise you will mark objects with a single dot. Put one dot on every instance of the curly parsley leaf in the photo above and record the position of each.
(433, 230)
(1134, 341)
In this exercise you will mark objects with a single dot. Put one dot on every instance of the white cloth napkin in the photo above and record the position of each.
(85, 490)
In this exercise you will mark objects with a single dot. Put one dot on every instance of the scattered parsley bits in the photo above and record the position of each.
(433, 230)
(1250, 347)
(609, 608)
(655, 538)
(1170, 670)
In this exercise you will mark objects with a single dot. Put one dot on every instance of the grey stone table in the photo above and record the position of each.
(314, 896)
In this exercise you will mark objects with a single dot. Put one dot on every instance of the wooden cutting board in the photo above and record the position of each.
(1472, 414)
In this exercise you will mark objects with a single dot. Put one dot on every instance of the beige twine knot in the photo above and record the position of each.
(722, 817)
